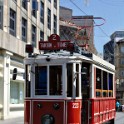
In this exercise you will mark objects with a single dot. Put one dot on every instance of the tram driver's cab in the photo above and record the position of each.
(55, 88)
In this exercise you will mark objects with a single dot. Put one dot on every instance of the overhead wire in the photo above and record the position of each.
(87, 14)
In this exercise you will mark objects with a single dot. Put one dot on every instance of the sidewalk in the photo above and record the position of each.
(19, 120)
(14, 118)
(16, 114)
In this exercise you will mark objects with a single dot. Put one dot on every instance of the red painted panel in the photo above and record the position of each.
(104, 117)
(101, 118)
(103, 109)
(74, 112)
(101, 106)
(96, 107)
(27, 105)
(47, 108)
(96, 119)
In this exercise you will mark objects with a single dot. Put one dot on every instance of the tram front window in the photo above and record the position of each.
(55, 80)
(41, 80)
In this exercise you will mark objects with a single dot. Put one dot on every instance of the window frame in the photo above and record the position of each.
(24, 29)
(34, 34)
(55, 4)
(41, 12)
(55, 24)
(12, 22)
(25, 4)
(41, 35)
(49, 18)
(48, 81)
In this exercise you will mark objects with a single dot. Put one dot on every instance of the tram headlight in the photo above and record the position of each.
(39, 105)
(47, 119)
(56, 106)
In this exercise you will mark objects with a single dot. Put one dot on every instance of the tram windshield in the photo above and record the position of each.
(48, 80)
(41, 80)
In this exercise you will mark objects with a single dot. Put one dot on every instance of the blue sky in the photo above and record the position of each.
(111, 10)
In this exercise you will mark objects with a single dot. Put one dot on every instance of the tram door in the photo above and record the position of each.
(85, 89)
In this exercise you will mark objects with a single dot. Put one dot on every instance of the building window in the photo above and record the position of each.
(49, 1)
(24, 4)
(49, 19)
(122, 49)
(33, 35)
(55, 24)
(55, 3)
(16, 93)
(41, 35)
(122, 72)
(24, 29)
(1, 17)
(12, 24)
(34, 8)
(122, 61)
(42, 12)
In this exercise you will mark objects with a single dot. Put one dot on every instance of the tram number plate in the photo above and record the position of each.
(75, 105)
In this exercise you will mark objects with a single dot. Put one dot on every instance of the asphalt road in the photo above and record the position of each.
(119, 119)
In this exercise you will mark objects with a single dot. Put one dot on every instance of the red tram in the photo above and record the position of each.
(64, 87)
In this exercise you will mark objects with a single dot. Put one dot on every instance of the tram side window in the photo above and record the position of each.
(85, 80)
(41, 80)
(105, 84)
(77, 80)
(98, 82)
(55, 80)
(69, 79)
(110, 85)
(28, 82)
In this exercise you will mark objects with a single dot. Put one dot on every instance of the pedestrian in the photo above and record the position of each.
(117, 106)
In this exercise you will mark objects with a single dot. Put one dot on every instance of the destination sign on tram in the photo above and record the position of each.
(53, 43)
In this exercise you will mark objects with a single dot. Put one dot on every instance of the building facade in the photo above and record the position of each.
(114, 53)
(21, 22)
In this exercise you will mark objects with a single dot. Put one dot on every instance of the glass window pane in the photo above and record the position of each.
(41, 80)
(77, 80)
(110, 85)
(12, 22)
(69, 79)
(55, 78)
(16, 93)
(24, 29)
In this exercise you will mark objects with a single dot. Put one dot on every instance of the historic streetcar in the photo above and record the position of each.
(65, 85)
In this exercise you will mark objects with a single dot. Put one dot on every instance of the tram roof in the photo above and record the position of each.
(61, 55)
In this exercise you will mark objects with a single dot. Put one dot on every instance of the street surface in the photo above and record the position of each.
(119, 119)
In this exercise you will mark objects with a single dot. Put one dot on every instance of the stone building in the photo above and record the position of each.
(21, 22)
(114, 53)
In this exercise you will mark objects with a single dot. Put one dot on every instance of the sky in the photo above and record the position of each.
(111, 10)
